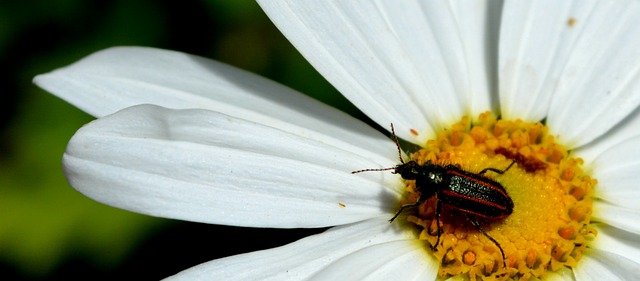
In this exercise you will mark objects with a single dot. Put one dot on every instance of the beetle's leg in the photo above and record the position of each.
(477, 225)
(496, 170)
(404, 207)
(423, 197)
(438, 208)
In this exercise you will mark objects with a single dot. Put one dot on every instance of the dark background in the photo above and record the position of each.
(47, 229)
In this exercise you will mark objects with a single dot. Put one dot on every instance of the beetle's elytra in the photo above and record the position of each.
(472, 194)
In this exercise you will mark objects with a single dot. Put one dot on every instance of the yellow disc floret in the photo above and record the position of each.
(549, 226)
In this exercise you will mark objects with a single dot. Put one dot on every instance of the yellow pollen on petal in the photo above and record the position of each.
(549, 226)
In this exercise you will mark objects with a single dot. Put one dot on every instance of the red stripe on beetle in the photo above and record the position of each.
(474, 199)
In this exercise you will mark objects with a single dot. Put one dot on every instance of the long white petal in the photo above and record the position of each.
(209, 167)
(620, 217)
(600, 81)
(574, 62)
(479, 26)
(600, 265)
(120, 77)
(536, 40)
(616, 170)
(301, 259)
(396, 260)
(400, 62)
(621, 135)
(615, 240)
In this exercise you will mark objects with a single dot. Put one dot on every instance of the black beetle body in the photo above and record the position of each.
(464, 191)
(472, 194)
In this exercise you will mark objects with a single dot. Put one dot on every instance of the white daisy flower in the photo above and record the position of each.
(550, 86)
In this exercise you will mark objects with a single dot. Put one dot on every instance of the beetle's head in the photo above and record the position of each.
(408, 171)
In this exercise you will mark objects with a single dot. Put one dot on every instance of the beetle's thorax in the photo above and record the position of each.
(427, 173)
(435, 177)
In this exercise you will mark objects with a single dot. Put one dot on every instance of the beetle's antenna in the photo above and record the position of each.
(373, 170)
(395, 138)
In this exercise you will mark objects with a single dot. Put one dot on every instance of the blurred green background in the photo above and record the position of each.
(48, 231)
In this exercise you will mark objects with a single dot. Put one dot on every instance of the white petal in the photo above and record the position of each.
(620, 217)
(615, 240)
(399, 62)
(396, 260)
(585, 78)
(301, 259)
(601, 265)
(535, 43)
(617, 136)
(120, 77)
(115, 78)
(209, 167)
(600, 81)
(616, 170)
(479, 27)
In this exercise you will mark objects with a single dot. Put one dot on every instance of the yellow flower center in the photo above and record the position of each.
(549, 226)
